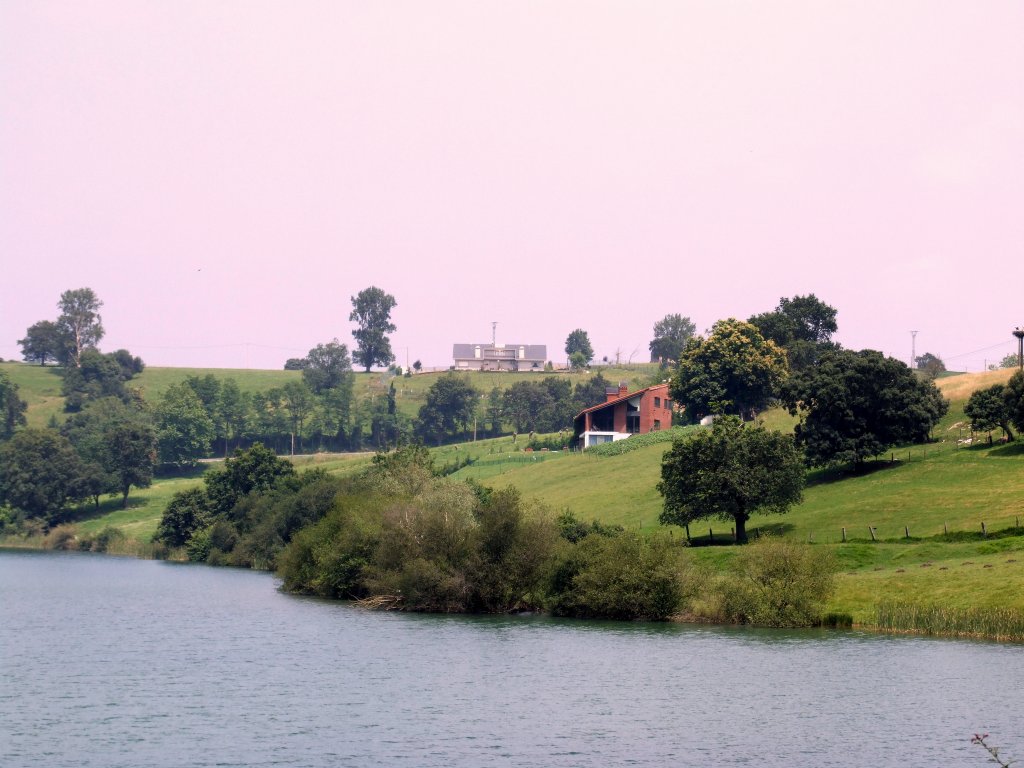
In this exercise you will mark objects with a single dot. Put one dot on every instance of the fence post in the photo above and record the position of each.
(711, 534)
(945, 530)
(844, 534)
(906, 531)
(871, 530)
(983, 531)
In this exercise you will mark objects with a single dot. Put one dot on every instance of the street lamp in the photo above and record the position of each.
(1019, 333)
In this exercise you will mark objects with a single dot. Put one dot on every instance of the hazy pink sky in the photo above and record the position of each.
(225, 175)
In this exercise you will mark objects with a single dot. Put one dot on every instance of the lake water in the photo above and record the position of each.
(118, 662)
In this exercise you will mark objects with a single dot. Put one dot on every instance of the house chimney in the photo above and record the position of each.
(610, 393)
(623, 389)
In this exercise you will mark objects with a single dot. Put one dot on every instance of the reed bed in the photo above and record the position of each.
(1005, 624)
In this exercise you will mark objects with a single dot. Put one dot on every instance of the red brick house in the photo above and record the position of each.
(623, 414)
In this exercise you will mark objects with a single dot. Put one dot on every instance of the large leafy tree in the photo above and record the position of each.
(255, 469)
(117, 442)
(527, 405)
(371, 312)
(734, 371)
(855, 405)
(989, 408)
(186, 513)
(42, 342)
(670, 336)
(79, 324)
(12, 407)
(731, 471)
(133, 454)
(40, 473)
(327, 366)
(184, 429)
(802, 325)
(579, 349)
(448, 409)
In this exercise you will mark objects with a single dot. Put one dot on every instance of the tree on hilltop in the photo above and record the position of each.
(42, 342)
(579, 349)
(371, 312)
(670, 336)
(79, 324)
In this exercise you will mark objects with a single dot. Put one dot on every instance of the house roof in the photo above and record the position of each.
(468, 351)
(620, 399)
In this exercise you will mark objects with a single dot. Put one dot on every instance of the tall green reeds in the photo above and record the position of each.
(932, 619)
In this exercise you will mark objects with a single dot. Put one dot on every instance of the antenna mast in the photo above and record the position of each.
(494, 332)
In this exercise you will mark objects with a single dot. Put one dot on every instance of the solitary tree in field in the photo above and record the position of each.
(731, 472)
(578, 348)
(371, 312)
(989, 408)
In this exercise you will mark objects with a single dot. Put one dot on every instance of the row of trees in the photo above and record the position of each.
(453, 407)
(400, 536)
(852, 405)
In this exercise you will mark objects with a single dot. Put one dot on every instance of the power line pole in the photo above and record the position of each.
(1019, 333)
(913, 349)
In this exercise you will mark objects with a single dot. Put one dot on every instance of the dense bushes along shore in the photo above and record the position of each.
(401, 537)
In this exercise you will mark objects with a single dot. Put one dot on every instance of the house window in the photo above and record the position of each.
(668, 404)
(657, 425)
(657, 402)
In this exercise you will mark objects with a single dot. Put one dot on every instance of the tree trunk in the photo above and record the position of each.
(124, 498)
(741, 527)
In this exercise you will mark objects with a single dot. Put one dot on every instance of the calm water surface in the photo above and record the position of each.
(119, 662)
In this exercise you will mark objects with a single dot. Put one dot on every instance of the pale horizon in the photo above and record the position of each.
(226, 175)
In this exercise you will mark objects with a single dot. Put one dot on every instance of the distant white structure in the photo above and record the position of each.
(499, 357)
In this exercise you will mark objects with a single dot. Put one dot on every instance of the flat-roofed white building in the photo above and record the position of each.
(500, 357)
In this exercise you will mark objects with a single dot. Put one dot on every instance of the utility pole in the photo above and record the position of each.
(1019, 333)
(913, 349)
(494, 333)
